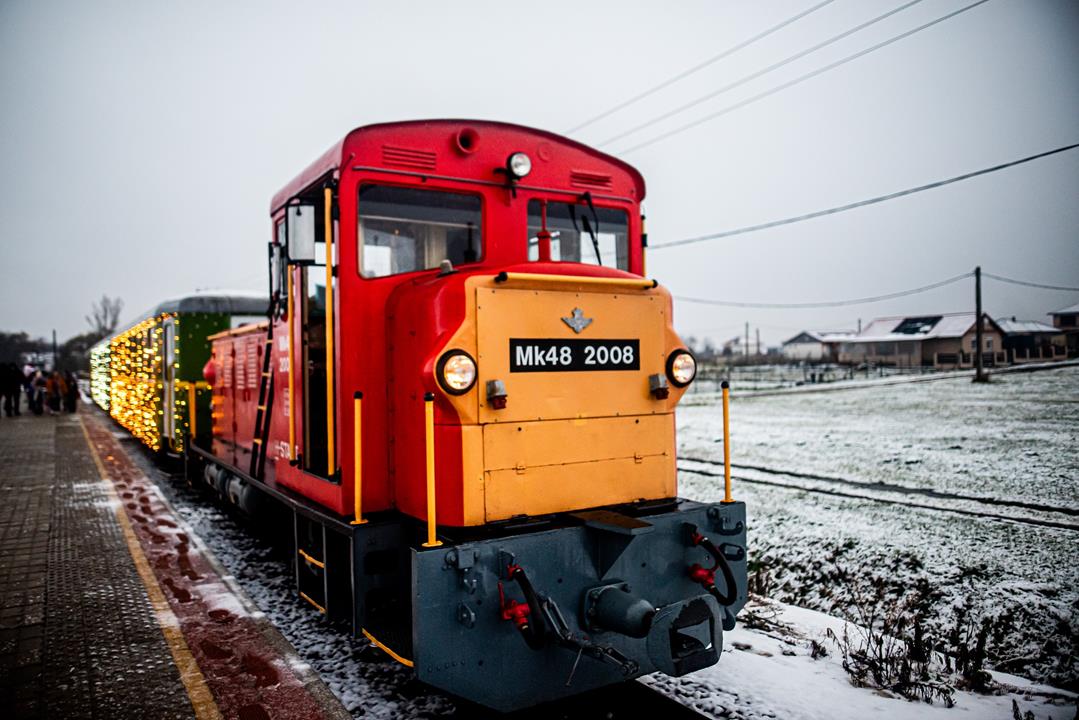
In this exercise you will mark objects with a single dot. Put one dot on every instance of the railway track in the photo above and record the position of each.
(870, 488)
(227, 537)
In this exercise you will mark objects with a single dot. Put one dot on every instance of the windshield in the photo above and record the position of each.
(406, 229)
(571, 241)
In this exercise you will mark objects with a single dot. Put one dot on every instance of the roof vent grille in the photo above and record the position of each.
(408, 158)
(589, 180)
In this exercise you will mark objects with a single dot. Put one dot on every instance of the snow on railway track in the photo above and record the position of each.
(891, 493)
(368, 684)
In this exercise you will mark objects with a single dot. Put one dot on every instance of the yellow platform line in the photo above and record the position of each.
(202, 699)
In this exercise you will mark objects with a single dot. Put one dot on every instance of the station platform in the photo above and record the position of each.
(109, 609)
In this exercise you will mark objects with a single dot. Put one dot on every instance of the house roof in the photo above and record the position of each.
(1011, 326)
(901, 328)
(1070, 310)
(819, 336)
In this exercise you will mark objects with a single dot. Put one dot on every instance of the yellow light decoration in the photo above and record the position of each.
(135, 401)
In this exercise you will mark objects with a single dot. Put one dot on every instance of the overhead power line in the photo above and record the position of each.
(753, 76)
(696, 68)
(1030, 284)
(800, 79)
(828, 303)
(861, 203)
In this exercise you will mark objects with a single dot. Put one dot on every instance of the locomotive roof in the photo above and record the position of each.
(332, 159)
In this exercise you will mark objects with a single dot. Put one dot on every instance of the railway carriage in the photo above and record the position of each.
(149, 375)
(464, 393)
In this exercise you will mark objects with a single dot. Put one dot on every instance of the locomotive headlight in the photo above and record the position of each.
(456, 372)
(681, 367)
(519, 165)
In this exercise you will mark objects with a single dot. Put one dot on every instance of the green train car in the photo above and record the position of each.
(147, 375)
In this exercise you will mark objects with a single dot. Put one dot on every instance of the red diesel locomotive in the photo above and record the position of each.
(465, 394)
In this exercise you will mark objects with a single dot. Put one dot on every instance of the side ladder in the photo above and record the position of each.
(265, 409)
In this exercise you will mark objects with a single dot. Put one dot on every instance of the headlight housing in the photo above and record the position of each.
(519, 165)
(681, 367)
(456, 372)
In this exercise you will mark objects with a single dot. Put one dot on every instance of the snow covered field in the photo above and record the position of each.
(1010, 442)
(903, 481)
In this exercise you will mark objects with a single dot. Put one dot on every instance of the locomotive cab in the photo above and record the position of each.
(469, 405)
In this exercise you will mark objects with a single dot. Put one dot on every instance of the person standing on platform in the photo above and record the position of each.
(11, 379)
(38, 384)
(71, 394)
(53, 392)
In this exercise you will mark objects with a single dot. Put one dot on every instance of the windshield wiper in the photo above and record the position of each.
(592, 232)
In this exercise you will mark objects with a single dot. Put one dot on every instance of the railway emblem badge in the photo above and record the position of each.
(577, 320)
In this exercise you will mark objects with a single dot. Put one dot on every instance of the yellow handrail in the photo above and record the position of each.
(631, 283)
(429, 416)
(192, 412)
(357, 458)
(726, 443)
(291, 376)
(331, 460)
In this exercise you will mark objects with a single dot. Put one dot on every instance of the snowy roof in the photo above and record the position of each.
(1070, 310)
(819, 336)
(919, 327)
(1011, 326)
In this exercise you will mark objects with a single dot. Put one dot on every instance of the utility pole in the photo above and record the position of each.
(747, 340)
(54, 355)
(758, 341)
(979, 371)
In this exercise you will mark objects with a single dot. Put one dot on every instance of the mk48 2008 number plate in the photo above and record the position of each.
(543, 355)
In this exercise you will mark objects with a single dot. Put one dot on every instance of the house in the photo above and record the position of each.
(941, 341)
(814, 345)
(1031, 341)
(1067, 321)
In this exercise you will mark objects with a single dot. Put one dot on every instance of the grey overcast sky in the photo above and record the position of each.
(141, 141)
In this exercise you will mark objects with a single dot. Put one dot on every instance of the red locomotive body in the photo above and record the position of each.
(465, 369)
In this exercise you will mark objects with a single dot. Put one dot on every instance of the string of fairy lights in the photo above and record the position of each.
(136, 391)
(100, 374)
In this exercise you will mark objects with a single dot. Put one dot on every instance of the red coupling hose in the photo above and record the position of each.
(512, 610)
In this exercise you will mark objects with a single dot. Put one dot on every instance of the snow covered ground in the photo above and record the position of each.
(1011, 441)
(770, 672)
(904, 452)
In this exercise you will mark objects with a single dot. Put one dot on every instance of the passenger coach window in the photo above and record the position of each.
(571, 241)
(404, 229)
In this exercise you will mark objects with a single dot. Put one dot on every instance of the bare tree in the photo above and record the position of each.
(105, 315)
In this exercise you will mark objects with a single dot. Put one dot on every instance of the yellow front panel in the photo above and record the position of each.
(502, 314)
(551, 466)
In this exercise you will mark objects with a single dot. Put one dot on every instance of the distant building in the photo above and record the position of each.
(940, 341)
(1031, 341)
(1067, 321)
(815, 345)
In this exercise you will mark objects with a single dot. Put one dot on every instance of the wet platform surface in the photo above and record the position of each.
(109, 609)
